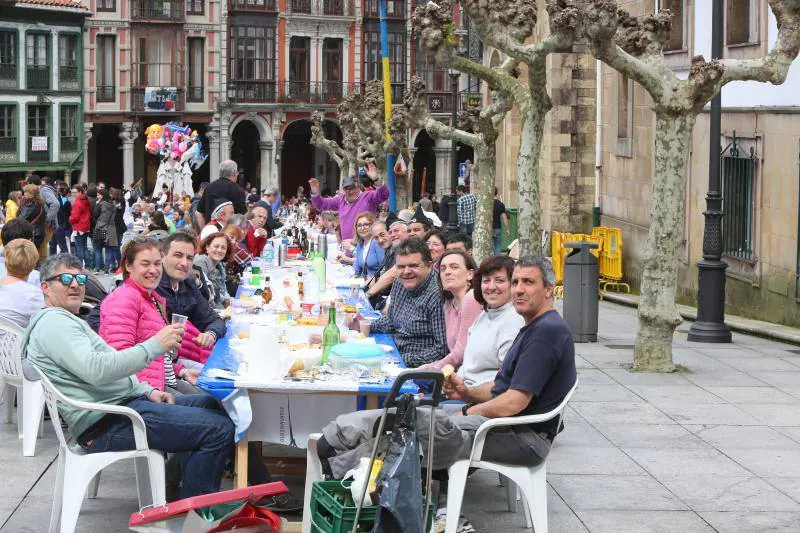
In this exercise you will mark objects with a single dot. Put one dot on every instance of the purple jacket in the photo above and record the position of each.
(368, 201)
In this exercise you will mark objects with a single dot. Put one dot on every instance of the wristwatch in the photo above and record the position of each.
(465, 409)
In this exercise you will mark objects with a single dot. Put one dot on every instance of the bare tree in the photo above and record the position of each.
(633, 47)
(361, 119)
(506, 25)
(478, 128)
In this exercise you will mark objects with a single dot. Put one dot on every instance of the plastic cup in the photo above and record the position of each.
(179, 319)
(364, 326)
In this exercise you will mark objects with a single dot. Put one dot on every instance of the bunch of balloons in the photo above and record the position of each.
(175, 142)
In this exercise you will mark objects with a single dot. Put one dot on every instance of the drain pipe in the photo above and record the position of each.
(598, 143)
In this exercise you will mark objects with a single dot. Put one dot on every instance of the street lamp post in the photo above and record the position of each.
(710, 325)
(452, 211)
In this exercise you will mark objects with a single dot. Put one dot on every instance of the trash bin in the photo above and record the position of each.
(581, 284)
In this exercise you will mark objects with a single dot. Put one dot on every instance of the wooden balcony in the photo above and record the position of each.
(8, 76)
(160, 11)
(263, 6)
(37, 77)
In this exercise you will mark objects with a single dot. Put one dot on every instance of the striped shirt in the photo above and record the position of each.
(416, 322)
(465, 205)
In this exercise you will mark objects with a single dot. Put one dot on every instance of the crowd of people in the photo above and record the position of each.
(493, 323)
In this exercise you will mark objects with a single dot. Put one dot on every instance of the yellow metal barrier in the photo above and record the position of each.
(611, 258)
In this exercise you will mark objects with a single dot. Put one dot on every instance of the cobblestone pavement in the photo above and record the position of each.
(714, 448)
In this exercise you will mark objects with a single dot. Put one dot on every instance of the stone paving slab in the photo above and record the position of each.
(713, 448)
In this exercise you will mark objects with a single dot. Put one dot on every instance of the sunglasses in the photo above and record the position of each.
(66, 279)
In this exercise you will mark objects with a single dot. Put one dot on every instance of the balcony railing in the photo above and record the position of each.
(138, 104)
(268, 6)
(37, 77)
(8, 149)
(299, 6)
(38, 155)
(251, 91)
(106, 93)
(68, 148)
(68, 78)
(397, 91)
(194, 93)
(333, 7)
(157, 10)
(8, 76)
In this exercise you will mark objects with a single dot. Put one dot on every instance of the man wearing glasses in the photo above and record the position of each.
(416, 316)
(83, 367)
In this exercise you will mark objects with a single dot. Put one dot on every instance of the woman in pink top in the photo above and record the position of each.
(456, 269)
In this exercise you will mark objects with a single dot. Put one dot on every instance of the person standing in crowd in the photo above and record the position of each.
(19, 300)
(80, 219)
(12, 205)
(61, 237)
(118, 227)
(104, 235)
(51, 203)
(84, 368)
(416, 317)
(18, 228)
(33, 211)
(223, 189)
(425, 202)
(222, 211)
(272, 197)
(349, 204)
(455, 278)
(465, 207)
(499, 221)
(215, 251)
(368, 255)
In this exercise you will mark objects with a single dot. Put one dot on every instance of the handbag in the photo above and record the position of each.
(100, 235)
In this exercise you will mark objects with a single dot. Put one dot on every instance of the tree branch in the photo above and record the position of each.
(774, 67)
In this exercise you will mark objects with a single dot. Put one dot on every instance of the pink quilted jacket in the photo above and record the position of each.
(128, 316)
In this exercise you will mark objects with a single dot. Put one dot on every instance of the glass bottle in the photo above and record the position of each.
(300, 289)
(266, 294)
(330, 335)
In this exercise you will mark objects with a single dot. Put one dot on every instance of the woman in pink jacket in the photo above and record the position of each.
(134, 312)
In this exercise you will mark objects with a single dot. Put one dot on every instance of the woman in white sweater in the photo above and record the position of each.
(493, 332)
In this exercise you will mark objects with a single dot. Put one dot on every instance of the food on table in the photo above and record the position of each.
(296, 367)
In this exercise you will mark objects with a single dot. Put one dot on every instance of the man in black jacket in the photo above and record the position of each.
(183, 296)
(226, 188)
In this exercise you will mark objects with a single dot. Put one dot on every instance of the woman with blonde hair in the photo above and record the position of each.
(19, 300)
(368, 255)
(12, 205)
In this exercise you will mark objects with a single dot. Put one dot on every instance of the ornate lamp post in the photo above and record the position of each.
(452, 212)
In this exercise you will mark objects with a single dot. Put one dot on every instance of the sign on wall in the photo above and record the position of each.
(160, 98)
(38, 144)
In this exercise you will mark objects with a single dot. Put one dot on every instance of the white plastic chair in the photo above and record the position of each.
(79, 471)
(30, 404)
(530, 480)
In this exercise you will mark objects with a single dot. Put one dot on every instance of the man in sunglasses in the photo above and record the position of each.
(83, 367)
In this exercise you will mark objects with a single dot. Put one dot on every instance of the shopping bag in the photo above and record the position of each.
(400, 479)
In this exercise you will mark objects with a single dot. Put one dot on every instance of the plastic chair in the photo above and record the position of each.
(531, 481)
(30, 404)
(79, 471)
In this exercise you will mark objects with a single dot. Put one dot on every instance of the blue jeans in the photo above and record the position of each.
(113, 257)
(466, 229)
(60, 239)
(496, 238)
(193, 427)
(98, 256)
(82, 250)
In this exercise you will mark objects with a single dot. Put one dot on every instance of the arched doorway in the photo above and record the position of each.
(424, 164)
(297, 158)
(245, 151)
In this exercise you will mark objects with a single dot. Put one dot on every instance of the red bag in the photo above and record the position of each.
(248, 516)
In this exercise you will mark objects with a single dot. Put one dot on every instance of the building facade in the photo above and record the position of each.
(41, 116)
(147, 61)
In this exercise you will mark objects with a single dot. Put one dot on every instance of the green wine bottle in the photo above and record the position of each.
(330, 335)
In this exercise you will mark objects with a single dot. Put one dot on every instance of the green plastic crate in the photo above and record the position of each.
(330, 515)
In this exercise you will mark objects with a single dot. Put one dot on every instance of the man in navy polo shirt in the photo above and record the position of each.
(537, 373)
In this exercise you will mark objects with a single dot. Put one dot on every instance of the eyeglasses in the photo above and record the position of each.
(66, 278)
(363, 225)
